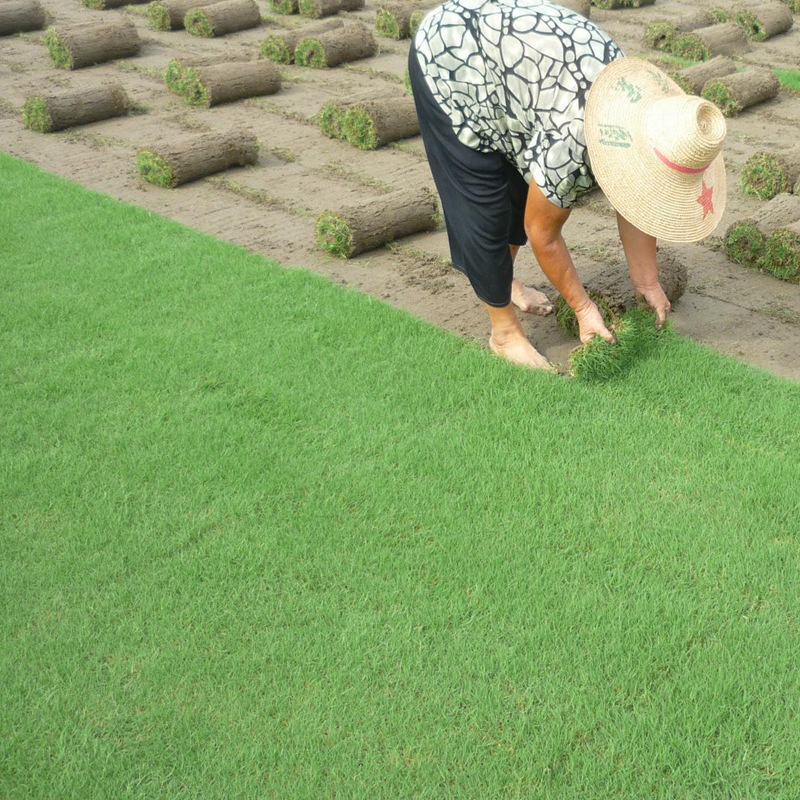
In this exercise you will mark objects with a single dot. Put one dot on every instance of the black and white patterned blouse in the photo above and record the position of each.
(513, 76)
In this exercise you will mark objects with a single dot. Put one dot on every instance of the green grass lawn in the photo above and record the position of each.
(265, 537)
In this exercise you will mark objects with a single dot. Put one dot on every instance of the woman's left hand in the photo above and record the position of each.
(656, 299)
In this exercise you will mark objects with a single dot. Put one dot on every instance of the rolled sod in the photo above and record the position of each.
(18, 16)
(331, 117)
(764, 20)
(744, 243)
(169, 15)
(393, 20)
(765, 174)
(280, 47)
(355, 229)
(181, 72)
(329, 49)
(782, 253)
(284, 6)
(219, 19)
(315, 9)
(660, 35)
(195, 156)
(226, 83)
(78, 46)
(55, 112)
(375, 123)
(722, 39)
(614, 295)
(745, 240)
(104, 4)
(693, 79)
(740, 90)
(636, 337)
(415, 20)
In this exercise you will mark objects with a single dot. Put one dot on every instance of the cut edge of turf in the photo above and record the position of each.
(36, 116)
(274, 48)
(158, 16)
(310, 53)
(359, 128)
(155, 169)
(197, 23)
(763, 176)
(59, 51)
(334, 234)
(192, 89)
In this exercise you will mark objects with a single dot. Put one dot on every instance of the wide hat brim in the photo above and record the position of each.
(660, 197)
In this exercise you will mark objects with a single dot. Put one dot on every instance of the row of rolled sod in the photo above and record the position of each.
(721, 29)
(769, 239)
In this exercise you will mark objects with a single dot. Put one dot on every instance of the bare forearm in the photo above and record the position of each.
(556, 263)
(640, 253)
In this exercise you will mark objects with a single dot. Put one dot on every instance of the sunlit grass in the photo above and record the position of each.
(265, 537)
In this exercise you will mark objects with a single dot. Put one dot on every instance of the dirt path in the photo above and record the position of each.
(271, 208)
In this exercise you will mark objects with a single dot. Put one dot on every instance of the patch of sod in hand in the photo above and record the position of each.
(636, 335)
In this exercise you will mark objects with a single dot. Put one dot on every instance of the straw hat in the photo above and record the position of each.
(656, 151)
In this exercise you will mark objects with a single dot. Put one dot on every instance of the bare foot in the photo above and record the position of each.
(530, 300)
(519, 351)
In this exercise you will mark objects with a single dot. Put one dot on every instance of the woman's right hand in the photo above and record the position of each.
(590, 324)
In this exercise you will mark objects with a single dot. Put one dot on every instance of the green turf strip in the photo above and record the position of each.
(265, 537)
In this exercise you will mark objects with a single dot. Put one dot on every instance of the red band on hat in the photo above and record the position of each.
(678, 167)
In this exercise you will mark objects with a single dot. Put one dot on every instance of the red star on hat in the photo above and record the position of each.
(706, 199)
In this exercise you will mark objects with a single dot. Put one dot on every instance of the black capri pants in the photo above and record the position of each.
(483, 198)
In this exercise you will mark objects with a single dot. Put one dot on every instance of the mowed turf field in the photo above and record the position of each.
(265, 537)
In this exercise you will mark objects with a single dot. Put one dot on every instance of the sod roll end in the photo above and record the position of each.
(782, 253)
(744, 243)
(659, 35)
(393, 21)
(284, 6)
(767, 174)
(158, 16)
(36, 115)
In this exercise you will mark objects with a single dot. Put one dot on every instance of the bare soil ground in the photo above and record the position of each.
(271, 208)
